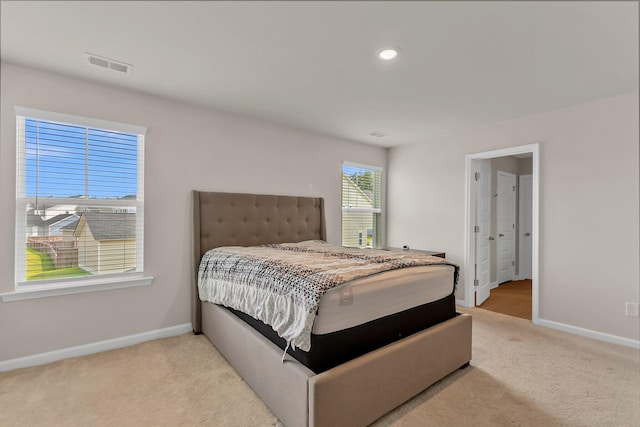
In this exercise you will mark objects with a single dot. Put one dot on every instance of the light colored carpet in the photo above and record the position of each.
(520, 375)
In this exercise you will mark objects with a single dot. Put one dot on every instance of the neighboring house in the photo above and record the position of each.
(357, 226)
(48, 220)
(101, 237)
(68, 229)
(41, 225)
(54, 226)
(50, 212)
(35, 224)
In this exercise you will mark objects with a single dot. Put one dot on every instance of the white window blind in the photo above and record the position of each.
(361, 206)
(80, 199)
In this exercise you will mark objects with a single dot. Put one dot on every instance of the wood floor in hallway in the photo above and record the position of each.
(511, 298)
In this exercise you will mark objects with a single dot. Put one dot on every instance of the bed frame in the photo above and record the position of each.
(355, 393)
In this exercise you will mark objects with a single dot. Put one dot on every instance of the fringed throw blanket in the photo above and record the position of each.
(281, 284)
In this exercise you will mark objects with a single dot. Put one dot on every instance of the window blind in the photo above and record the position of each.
(80, 199)
(361, 206)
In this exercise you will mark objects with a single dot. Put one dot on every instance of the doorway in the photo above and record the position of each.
(472, 248)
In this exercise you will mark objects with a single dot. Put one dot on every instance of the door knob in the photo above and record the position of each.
(527, 234)
(500, 235)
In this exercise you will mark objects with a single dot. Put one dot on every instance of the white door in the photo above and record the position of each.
(482, 230)
(506, 226)
(524, 226)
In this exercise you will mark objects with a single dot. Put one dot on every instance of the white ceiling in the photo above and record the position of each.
(312, 65)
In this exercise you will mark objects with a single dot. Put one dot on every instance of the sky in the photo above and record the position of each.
(67, 160)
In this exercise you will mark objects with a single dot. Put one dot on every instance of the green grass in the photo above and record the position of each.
(40, 266)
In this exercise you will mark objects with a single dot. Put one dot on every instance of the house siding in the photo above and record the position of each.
(117, 256)
(352, 225)
(88, 249)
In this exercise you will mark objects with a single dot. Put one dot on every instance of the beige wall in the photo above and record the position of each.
(525, 166)
(186, 148)
(589, 216)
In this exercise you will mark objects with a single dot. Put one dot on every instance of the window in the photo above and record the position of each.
(80, 199)
(361, 206)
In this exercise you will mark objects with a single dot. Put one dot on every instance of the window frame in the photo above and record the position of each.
(24, 289)
(380, 210)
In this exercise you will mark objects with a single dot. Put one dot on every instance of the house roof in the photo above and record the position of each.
(71, 225)
(57, 218)
(111, 225)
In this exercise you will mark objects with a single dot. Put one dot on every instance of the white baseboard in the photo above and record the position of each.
(614, 339)
(462, 303)
(96, 347)
(494, 285)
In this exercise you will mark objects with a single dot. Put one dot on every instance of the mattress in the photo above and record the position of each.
(369, 298)
(282, 284)
(366, 314)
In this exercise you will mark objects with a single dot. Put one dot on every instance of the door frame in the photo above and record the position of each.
(470, 200)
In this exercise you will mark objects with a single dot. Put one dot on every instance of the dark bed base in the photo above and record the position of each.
(330, 350)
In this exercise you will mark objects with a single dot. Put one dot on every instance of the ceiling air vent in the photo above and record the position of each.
(108, 63)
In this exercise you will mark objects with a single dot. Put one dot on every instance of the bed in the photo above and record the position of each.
(323, 391)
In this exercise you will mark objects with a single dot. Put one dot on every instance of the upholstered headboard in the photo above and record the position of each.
(236, 219)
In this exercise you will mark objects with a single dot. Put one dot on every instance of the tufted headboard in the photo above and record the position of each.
(236, 219)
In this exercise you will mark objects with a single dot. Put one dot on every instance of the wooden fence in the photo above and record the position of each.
(63, 253)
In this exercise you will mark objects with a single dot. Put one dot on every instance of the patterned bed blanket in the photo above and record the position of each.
(281, 284)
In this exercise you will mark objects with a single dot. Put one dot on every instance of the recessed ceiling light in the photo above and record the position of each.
(378, 134)
(387, 54)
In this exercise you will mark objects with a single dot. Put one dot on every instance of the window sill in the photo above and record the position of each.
(36, 291)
